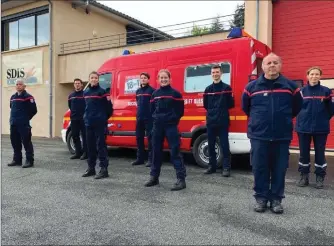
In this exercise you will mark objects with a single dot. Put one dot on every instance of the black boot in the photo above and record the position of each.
(84, 156)
(28, 163)
(75, 156)
(319, 182)
(179, 185)
(137, 162)
(276, 207)
(89, 172)
(226, 172)
(260, 206)
(210, 170)
(152, 182)
(304, 180)
(148, 164)
(102, 174)
(15, 163)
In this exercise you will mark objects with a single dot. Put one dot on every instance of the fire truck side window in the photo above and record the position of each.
(105, 81)
(259, 66)
(198, 77)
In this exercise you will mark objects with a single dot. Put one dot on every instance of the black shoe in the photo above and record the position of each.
(148, 164)
(210, 170)
(276, 207)
(319, 182)
(260, 206)
(152, 182)
(76, 156)
(14, 163)
(226, 172)
(179, 185)
(89, 172)
(84, 156)
(102, 174)
(304, 180)
(28, 163)
(137, 162)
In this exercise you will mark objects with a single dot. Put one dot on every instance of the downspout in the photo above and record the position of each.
(257, 18)
(50, 70)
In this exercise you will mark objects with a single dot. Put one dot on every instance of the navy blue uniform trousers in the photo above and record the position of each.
(96, 145)
(78, 126)
(222, 133)
(269, 160)
(159, 133)
(21, 135)
(141, 127)
(320, 163)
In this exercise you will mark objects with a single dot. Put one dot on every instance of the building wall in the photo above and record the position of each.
(264, 30)
(40, 123)
(68, 68)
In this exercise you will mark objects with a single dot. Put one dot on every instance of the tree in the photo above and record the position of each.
(216, 26)
(239, 16)
(199, 30)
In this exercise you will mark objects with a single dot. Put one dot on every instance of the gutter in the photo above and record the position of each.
(50, 70)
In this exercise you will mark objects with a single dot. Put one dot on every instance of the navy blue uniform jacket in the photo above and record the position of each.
(23, 109)
(271, 105)
(98, 106)
(217, 100)
(77, 105)
(317, 110)
(143, 97)
(167, 105)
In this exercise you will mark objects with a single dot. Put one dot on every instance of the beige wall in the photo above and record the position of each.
(68, 64)
(24, 8)
(40, 123)
(265, 20)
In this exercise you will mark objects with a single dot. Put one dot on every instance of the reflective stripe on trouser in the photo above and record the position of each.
(159, 133)
(319, 141)
(269, 163)
(96, 145)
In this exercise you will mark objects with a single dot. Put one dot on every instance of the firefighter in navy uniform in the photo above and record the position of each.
(97, 112)
(76, 103)
(313, 123)
(144, 119)
(23, 109)
(270, 102)
(167, 107)
(217, 100)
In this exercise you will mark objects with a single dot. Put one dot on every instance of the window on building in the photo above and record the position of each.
(25, 31)
(198, 77)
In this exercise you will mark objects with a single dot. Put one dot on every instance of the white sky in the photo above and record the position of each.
(162, 13)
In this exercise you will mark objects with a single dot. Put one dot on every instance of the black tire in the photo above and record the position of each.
(201, 151)
(70, 143)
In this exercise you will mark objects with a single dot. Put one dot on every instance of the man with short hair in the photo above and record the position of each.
(218, 100)
(76, 103)
(23, 109)
(270, 102)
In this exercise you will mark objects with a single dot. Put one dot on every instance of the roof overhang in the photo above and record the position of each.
(10, 4)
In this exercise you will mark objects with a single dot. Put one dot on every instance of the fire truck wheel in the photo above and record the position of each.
(201, 151)
(70, 143)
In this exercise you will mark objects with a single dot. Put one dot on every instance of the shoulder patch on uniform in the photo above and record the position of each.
(108, 98)
(32, 100)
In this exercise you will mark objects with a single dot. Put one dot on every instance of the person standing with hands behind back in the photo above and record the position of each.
(76, 103)
(217, 100)
(98, 110)
(144, 119)
(313, 123)
(167, 107)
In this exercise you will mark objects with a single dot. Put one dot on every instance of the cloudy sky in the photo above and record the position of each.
(162, 13)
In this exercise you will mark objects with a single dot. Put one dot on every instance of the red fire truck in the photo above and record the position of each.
(240, 57)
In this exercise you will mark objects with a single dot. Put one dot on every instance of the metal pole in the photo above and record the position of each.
(50, 70)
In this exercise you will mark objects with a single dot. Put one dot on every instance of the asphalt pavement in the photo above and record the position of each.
(51, 204)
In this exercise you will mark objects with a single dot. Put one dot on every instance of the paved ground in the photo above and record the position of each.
(53, 204)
